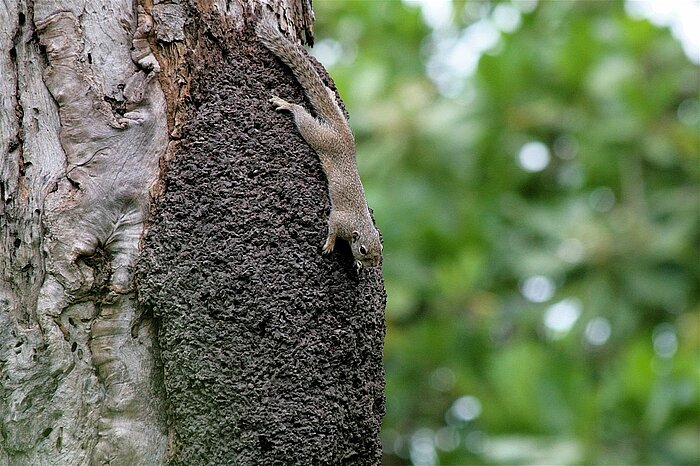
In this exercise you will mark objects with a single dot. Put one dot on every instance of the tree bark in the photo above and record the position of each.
(241, 344)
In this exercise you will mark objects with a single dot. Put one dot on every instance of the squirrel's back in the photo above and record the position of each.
(294, 57)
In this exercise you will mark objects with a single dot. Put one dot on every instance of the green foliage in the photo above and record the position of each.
(542, 303)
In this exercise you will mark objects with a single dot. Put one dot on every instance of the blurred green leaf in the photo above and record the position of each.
(609, 215)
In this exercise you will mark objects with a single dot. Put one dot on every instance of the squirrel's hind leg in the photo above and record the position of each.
(316, 133)
(281, 104)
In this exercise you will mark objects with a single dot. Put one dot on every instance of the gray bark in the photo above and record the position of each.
(242, 345)
(83, 127)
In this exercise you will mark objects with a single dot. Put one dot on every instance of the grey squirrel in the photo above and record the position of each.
(331, 137)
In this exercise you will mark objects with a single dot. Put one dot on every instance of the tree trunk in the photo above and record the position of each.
(241, 344)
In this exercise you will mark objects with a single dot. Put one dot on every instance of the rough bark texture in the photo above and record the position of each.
(272, 353)
(82, 126)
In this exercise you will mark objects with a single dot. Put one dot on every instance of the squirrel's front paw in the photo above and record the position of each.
(329, 245)
(280, 104)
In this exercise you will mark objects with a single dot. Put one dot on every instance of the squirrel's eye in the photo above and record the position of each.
(363, 250)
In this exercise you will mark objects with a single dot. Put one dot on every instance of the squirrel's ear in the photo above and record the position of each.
(355, 236)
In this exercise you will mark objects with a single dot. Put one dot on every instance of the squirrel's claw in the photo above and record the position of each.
(329, 245)
(280, 104)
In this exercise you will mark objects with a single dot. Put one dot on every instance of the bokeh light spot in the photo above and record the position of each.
(571, 250)
(422, 448)
(561, 316)
(665, 341)
(565, 147)
(447, 439)
(537, 289)
(474, 441)
(506, 17)
(328, 52)
(598, 331)
(442, 379)
(602, 199)
(466, 408)
(533, 156)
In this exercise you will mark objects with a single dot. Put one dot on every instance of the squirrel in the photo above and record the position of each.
(331, 137)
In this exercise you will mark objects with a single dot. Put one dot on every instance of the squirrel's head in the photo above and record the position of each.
(366, 247)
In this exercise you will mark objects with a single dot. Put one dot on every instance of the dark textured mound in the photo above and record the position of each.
(272, 353)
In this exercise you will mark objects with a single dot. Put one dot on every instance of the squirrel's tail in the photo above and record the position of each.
(292, 55)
